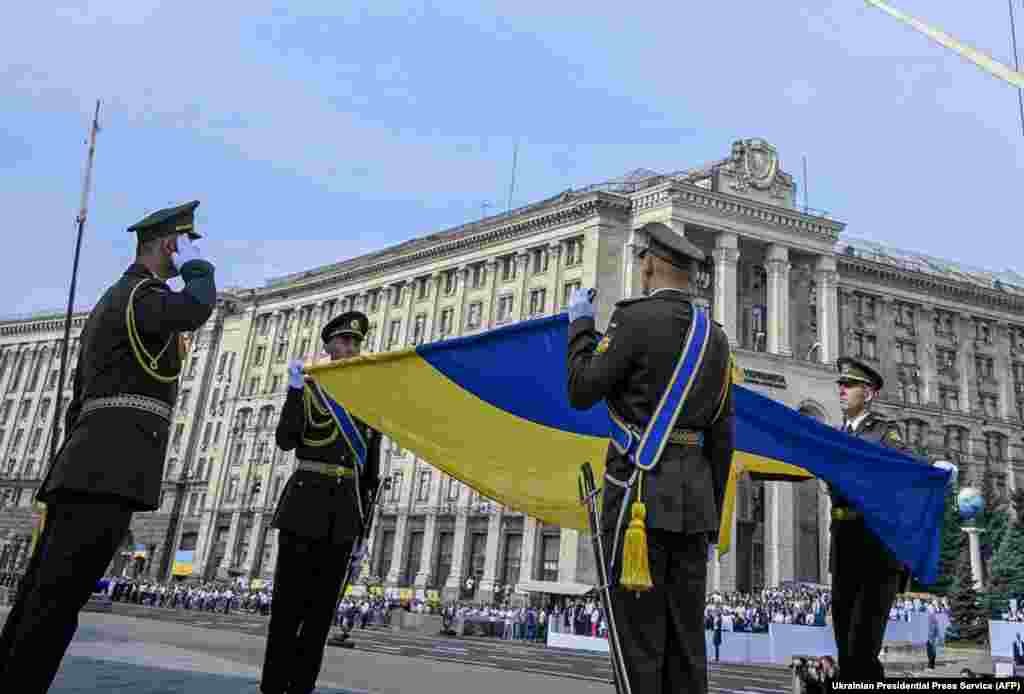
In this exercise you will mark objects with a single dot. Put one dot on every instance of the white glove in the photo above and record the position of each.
(946, 465)
(580, 304)
(186, 251)
(712, 549)
(358, 552)
(296, 379)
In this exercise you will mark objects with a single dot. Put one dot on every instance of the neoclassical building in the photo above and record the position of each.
(792, 291)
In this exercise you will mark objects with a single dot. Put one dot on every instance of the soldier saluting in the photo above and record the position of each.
(111, 463)
(866, 577)
(321, 513)
(664, 370)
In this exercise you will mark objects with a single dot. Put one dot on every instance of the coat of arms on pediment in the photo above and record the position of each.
(754, 164)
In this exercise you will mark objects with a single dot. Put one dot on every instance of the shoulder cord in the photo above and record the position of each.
(310, 403)
(148, 362)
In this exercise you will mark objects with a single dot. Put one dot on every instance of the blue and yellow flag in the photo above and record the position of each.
(492, 410)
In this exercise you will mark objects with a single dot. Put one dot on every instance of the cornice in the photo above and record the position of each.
(727, 205)
(566, 210)
(930, 284)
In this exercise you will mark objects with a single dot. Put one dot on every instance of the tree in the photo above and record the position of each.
(992, 521)
(969, 618)
(1007, 575)
(949, 555)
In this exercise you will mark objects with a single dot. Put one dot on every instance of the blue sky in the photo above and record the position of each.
(318, 131)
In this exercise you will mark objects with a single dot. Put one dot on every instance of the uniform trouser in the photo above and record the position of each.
(864, 585)
(78, 541)
(661, 631)
(306, 584)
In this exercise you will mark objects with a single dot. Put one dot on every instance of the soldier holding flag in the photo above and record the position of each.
(320, 516)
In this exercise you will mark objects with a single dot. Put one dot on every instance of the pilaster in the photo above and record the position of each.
(826, 278)
(726, 256)
(487, 317)
(555, 290)
(486, 586)
(523, 262)
(454, 582)
(527, 558)
(781, 543)
(435, 314)
(777, 263)
(568, 555)
(401, 526)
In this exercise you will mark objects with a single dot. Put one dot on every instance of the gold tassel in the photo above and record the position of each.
(636, 569)
(37, 531)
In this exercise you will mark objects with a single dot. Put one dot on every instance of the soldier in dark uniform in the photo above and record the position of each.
(319, 517)
(866, 577)
(661, 631)
(112, 460)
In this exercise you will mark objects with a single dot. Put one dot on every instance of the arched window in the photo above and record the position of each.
(956, 443)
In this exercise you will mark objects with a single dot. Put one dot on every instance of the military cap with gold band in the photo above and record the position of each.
(672, 247)
(853, 371)
(354, 323)
(168, 222)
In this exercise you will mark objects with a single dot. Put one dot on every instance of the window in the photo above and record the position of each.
(17, 440)
(944, 323)
(216, 434)
(949, 398)
(200, 469)
(945, 359)
(236, 453)
(275, 384)
(233, 488)
(23, 412)
(865, 346)
(387, 548)
(505, 308)
(906, 353)
(222, 363)
(983, 332)
(479, 275)
(393, 334)
(445, 544)
(508, 268)
(984, 367)
(37, 436)
(538, 298)
(183, 400)
(864, 306)
(1018, 371)
(540, 260)
(512, 557)
(396, 295)
(904, 315)
(304, 347)
(51, 382)
(374, 300)
(956, 442)
(44, 408)
(995, 446)
(908, 393)
(419, 329)
(254, 385)
(33, 383)
(193, 364)
(574, 251)
(395, 493)
(422, 288)
(307, 316)
(207, 432)
(454, 489)
(193, 499)
(549, 551)
(423, 492)
(989, 404)
(6, 413)
(477, 555)
(570, 287)
(282, 350)
(447, 316)
(412, 557)
(917, 432)
(330, 307)
(178, 431)
(475, 312)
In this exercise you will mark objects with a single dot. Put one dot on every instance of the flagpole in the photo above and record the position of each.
(83, 212)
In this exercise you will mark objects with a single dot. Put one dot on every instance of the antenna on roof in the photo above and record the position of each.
(805, 185)
(512, 186)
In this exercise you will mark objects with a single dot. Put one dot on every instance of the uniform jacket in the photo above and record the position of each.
(119, 453)
(630, 369)
(313, 505)
(876, 430)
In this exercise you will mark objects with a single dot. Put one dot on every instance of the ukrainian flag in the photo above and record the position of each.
(492, 410)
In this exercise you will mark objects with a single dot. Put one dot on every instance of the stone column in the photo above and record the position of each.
(401, 525)
(780, 544)
(826, 278)
(316, 345)
(458, 318)
(726, 255)
(410, 299)
(434, 318)
(568, 555)
(555, 251)
(964, 362)
(725, 565)
(1001, 365)
(974, 542)
(454, 582)
(523, 260)
(486, 586)
(423, 577)
(232, 541)
(255, 549)
(490, 304)
(777, 262)
(526, 559)
(924, 325)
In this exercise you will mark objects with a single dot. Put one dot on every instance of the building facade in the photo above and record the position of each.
(791, 293)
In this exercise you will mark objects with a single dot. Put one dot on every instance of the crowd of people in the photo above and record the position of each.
(753, 612)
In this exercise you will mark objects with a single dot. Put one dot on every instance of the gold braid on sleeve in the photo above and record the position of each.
(148, 362)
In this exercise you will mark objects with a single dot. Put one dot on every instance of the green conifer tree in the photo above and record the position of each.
(1007, 576)
(968, 615)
